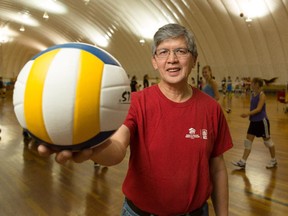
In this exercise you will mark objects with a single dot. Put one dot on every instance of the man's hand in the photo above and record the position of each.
(63, 156)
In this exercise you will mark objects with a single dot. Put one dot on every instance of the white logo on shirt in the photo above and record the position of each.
(193, 135)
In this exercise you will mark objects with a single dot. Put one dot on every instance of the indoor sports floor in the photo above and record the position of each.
(31, 185)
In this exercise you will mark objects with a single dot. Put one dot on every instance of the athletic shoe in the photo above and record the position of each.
(271, 164)
(96, 165)
(228, 110)
(240, 164)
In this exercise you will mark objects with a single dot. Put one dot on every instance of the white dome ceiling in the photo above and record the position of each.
(225, 40)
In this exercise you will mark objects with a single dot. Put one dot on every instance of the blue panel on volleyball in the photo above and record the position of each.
(99, 138)
(101, 54)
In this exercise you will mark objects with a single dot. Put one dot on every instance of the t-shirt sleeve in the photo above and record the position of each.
(131, 120)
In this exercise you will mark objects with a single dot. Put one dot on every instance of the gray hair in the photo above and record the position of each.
(174, 30)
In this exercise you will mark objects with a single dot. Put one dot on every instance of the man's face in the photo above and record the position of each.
(176, 67)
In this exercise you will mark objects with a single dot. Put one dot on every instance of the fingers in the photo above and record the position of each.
(78, 157)
(44, 151)
(84, 155)
(63, 156)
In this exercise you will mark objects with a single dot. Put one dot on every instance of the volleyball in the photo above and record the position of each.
(71, 96)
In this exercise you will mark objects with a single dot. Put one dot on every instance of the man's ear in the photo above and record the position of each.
(154, 63)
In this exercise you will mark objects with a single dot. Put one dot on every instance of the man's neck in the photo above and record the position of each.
(178, 94)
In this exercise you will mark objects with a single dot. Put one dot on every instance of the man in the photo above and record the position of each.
(176, 135)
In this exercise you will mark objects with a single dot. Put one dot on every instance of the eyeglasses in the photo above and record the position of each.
(179, 52)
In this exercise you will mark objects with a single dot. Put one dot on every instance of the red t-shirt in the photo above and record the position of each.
(170, 148)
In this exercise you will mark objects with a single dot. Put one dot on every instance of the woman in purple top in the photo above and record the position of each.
(259, 125)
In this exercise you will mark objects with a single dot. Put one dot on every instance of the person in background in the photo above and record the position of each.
(145, 81)
(210, 86)
(247, 85)
(223, 85)
(237, 89)
(2, 88)
(229, 92)
(134, 84)
(176, 155)
(193, 83)
(259, 125)
(200, 83)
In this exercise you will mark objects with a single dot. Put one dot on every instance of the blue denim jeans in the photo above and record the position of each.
(127, 211)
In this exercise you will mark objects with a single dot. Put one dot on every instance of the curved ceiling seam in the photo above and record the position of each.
(212, 38)
(127, 44)
(20, 52)
(81, 28)
(222, 31)
(251, 45)
(257, 38)
(135, 38)
(284, 51)
(239, 48)
(280, 48)
(201, 37)
(123, 34)
(194, 26)
(33, 15)
(261, 42)
(9, 61)
(172, 12)
(253, 30)
(268, 48)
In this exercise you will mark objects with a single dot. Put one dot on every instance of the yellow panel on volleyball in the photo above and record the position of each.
(87, 98)
(33, 95)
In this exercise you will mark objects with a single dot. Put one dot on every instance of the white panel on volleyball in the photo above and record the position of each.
(59, 89)
(114, 83)
(19, 93)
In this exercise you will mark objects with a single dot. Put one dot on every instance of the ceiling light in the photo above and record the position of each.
(3, 39)
(25, 14)
(248, 19)
(4, 34)
(24, 17)
(86, 2)
(46, 5)
(142, 41)
(45, 15)
(22, 28)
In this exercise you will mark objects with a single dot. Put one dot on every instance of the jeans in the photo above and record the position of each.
(127, 211)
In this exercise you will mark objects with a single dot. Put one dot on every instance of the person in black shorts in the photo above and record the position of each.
(259, 125)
